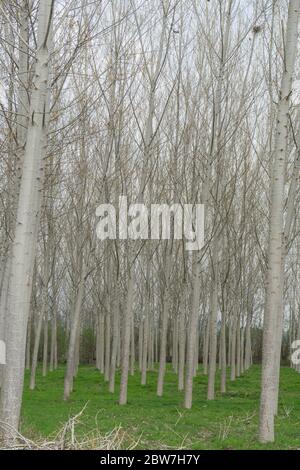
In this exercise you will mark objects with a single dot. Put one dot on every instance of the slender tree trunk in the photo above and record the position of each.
(196, 359)
(22, 123)
(107, 347)
(206, 348)
(132, 347)
(274, 292)
(53, 344)
(126, 342)
(145, 347)
(101, 339)
(238, 348)
(141, 331)
(75, 324)
(191, 345)
(28, 343)
(213, 331)
(248, 349)
(223, 353)
(25, 236)
(242, 350)
(45, 346)
(36, 350)
(181, 350)
(233, 351)
(115, 339)
(164, 328)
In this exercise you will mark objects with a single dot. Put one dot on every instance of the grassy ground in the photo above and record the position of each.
(229, 422)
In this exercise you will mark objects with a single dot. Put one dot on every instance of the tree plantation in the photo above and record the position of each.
(149, 231)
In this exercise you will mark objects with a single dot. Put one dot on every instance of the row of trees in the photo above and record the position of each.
(168, 101)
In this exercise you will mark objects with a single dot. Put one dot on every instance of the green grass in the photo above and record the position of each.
(228, 422)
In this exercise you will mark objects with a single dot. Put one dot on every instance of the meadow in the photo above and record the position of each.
(148, 422)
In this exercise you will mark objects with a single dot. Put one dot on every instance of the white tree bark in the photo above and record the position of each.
(274, 293)
(73, 341)
(164, 326)
(126, 341)
(25, 237)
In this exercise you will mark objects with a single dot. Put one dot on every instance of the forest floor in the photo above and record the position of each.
(228, 422)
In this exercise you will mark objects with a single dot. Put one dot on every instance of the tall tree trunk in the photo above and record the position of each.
(238, 348)
(274, 293)
(248, 349)
(181, 348)
(53, 340)
(25, 236)
(115, 338)
(145, 345)
(36, 347)
(164, 326)
(126, 341)
(192, 335)
(206, 348)
(73, 341)
(213, 328)
(132, 346)
(45, 346)
(233, 351)
(22, 123)
(101, 339)
(223, 352)
(28, 344)
(107, 347)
